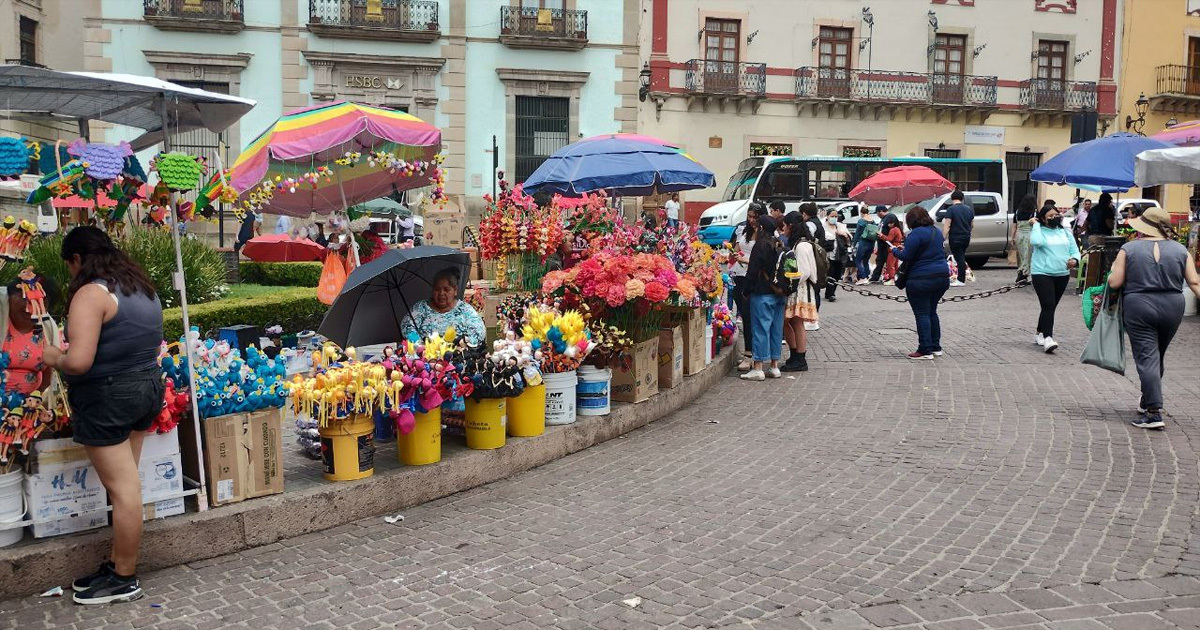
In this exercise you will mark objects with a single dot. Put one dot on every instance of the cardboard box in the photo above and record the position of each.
(161, 467)
(265, 473)
(445, 229)
(226, 457)
(162, 509)
(64, 494)
(670, 357)
(694, 321)
(640, 381)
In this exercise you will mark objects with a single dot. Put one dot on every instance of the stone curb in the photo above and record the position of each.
(31, 568)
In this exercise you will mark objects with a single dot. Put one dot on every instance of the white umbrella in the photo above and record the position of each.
(1178, 165)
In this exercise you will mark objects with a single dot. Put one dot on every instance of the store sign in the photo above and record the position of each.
(981, 134)
(372, 82)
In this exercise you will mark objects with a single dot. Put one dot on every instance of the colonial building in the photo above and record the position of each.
(535, 74)
(1160, 79)
(954, 78)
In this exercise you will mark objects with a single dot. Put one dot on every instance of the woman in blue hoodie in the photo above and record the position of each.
(928, 278)
(1054, 256)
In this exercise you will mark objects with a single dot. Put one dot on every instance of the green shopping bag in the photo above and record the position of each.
(1093, 298)
(1106, 344)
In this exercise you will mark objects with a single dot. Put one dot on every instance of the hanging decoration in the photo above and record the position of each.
(14, 158)
(179, 171)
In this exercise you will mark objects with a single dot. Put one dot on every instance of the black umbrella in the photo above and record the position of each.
(380, 294)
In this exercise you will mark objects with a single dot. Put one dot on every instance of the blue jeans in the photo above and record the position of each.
(923, 293)
(862, 258)
(768, 326)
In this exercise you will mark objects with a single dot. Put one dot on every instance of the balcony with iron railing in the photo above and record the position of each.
(522, 27)
(885, 87)
(725, 78)
(1177, 89)
(1057, 95)
(218, 16)
(390, 20)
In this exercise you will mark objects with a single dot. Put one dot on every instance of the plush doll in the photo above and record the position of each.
(8, 431)
(34, 294)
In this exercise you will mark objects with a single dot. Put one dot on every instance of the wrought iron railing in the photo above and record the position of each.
(399, 15)
(1058, 95)
(885, 86)
(199, 10)
(1177, 79)
(533, 22)
(726, 77)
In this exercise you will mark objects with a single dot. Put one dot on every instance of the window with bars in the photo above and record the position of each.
(28, 37)
(942, 153)
(543, 127)
(1020, 165)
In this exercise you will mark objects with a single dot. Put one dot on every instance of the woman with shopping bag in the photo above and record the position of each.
(1152, 271)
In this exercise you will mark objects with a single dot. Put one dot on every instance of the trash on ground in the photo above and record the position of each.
(57, 591)
(392, 520)
(714, 422)
(632, 602)
(156, 605)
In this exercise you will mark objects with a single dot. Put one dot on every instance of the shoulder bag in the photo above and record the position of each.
(1106, 344)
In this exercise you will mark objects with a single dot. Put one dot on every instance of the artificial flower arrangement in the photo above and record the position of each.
(705, 271)
(590, 217)
(560, 341)
(519, 235)
(723, 326)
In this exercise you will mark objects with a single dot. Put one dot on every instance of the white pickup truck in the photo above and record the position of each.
(992, 228)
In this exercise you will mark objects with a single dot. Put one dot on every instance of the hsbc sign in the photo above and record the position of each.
(372, 82)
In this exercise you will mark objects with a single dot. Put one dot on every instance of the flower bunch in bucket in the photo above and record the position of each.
(519, 235)
(562, 339)
(723, 325)
(427, 369)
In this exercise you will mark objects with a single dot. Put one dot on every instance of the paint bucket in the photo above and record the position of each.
(12, 506)
(592, 392)
(485, 420)
(527, 412)
(560, 398)
(422, 445)
(348, 448)
(708, 344)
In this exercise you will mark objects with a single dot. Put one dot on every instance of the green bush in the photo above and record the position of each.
(290, 274)
(153, 250)
(293, 308)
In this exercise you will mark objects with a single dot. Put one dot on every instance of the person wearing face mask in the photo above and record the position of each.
(837, 244)
(1054, 255)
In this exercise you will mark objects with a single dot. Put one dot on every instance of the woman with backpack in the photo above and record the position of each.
(866, 233)
(766, 302)
(799, 262)
(927, 278)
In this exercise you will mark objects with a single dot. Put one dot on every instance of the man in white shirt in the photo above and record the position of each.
(672, 208)
(283, 225)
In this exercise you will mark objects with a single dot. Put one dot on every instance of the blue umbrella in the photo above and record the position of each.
(625, 165)
(1104, 164)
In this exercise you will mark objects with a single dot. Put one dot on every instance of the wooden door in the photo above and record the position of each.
(833, 71)
(721, 52)
(949, 61)
(1193, 66)
(1051, 83)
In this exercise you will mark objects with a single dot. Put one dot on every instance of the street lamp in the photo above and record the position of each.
(1172, 121)
(869, 19)
(644, 82)
(1140, 107)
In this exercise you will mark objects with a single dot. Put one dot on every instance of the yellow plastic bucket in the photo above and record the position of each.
(485, 423)
(423, 445)
(527, 412)
(348, 448)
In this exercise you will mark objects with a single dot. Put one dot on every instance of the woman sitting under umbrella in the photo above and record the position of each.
(444, 310)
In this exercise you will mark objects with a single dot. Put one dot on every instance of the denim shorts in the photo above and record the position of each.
(105, 410)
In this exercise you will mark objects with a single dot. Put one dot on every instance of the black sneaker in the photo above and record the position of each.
(791, 365)
(111, 589)
(1150, 420)
(84, 583)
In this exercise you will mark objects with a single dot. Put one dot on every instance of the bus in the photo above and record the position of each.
(827, 181)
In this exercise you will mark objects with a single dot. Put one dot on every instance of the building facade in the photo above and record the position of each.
(1160, 79)
(954, 78)
(535, 74)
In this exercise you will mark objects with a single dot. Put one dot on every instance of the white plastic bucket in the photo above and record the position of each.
(560, 397)
(592, 392)
(12, 506)
(708, 344)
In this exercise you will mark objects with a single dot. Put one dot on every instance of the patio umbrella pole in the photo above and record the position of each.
(181, 285)
(346, 209)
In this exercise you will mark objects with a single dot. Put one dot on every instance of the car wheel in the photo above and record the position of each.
(977, 263)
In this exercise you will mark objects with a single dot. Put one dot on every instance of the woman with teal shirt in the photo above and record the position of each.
(1054, 255)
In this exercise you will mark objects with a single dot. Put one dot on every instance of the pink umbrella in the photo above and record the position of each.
(1184, 134)
(901, 184)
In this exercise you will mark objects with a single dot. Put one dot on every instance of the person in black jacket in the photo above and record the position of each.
(765, 305)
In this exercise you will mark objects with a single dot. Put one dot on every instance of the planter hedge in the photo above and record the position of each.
(293, 308)
(290, 274)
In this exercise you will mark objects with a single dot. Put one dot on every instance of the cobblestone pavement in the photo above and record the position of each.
(996, 487)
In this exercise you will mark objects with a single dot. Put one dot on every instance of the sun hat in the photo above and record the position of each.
(1154, 221)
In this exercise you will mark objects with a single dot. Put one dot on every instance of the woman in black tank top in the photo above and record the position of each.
(115, 390)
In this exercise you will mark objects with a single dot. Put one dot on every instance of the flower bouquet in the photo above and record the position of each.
(723, 325)
(562, 340)
(520, 236)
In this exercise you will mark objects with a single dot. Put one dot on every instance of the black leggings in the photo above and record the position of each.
(741, 297)
(1049, 291)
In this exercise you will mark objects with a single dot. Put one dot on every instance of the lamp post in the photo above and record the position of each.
(644, 82)
(1172, 121)
(1139, 107)
(869, 19)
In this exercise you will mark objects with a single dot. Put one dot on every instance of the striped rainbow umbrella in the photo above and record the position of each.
(1184, 134)
(319, 159)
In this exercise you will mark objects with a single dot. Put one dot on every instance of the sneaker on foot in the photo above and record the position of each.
(111, 589)
(791, 365)
(774, 373)
(917, 356)
(812, 326)
(938, 353)
(956, 283)
(1040, 339)
(862, 282)
(1051, 345)
(1152, 419)
(84, 583)
(754, 375)
(889, 283)
(830, 298)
